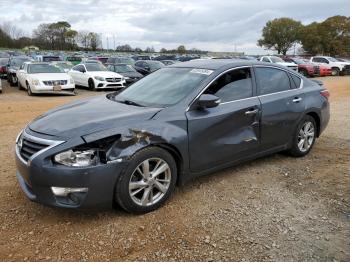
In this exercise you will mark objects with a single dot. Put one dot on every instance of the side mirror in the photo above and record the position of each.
(147, 68)
(208, 101)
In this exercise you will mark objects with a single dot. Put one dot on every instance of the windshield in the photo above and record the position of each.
(332, 59)
(299, 61)
(162, 88)
(18, 61)
(64, 65)
(95, 67)
(155, 65)
(276, 59)
(43, 68)
(124, 69)
(128, 61)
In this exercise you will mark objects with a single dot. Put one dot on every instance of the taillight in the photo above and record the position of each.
(325, 93)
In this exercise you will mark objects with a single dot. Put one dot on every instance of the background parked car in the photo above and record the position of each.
(324, 69)
(47, 58)
(338, 67)
(141, 57)
(37, 77)
(102, 59)
(278, 60)
(168, 62)
(74, 59)
(120, 60)
(64, 65)
(129, 73)
(15, 63)
(305, 68)
(3, 67)
(146, 67)
(96, 76)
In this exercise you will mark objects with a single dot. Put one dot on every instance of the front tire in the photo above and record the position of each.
(304, 137)
(91, 84)
(29, 90)
(147, 182)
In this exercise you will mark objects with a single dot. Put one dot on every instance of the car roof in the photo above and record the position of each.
(214, 64)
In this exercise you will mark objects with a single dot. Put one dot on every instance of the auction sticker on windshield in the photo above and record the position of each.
(201, 71)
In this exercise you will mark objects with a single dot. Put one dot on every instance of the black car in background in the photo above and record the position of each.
(14, 64)
(146, 67)
(141, 57)
(189, 119)
(129, 73)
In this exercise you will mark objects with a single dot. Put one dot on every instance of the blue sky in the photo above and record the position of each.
(205, 24)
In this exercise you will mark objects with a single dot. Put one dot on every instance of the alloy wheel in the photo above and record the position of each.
(150, 182)
(306, 136)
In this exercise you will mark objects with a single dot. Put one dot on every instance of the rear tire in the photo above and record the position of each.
(304, 137)
(140, 188)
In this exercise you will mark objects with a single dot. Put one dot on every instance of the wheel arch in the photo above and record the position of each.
(317, 119)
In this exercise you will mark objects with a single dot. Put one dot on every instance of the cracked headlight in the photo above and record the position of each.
(77, 158)
(99, 78)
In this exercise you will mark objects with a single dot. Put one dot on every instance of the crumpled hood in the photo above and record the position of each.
(89, 116)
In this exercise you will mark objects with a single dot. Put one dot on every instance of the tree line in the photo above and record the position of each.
(329, 37)
(61, 36)
(50, 36)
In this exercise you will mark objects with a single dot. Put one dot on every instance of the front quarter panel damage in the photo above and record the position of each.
(133, 139)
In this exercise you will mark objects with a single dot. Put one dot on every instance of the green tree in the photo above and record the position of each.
(181, 49)
(280, 34)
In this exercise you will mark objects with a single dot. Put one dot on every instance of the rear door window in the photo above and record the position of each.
(296, 80)
(233, 85)
(271, 80)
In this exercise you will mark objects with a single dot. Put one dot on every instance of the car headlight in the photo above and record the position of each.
(71, 80)
(126, 78)
(99, 78)
(35, 82)
(81, 158)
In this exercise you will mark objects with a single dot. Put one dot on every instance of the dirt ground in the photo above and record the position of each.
(277, 208)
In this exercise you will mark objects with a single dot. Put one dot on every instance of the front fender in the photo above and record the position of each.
(135, 138)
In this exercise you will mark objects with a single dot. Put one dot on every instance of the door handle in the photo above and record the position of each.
(297, 99)
(251, 112)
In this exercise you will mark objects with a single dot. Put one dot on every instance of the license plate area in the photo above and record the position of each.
(57, 88)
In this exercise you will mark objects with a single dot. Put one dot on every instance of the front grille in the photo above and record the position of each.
(113, 79)
(29, 148)
(55, 82)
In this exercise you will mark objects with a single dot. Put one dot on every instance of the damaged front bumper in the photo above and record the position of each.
(83, 187)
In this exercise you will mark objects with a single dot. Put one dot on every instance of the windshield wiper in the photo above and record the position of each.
(129, 102)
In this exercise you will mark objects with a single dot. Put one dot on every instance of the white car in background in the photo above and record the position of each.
(280, 61)
(338, 67)
(38, 77)
(96, 76)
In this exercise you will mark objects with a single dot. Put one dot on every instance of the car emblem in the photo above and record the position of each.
(55, 83)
